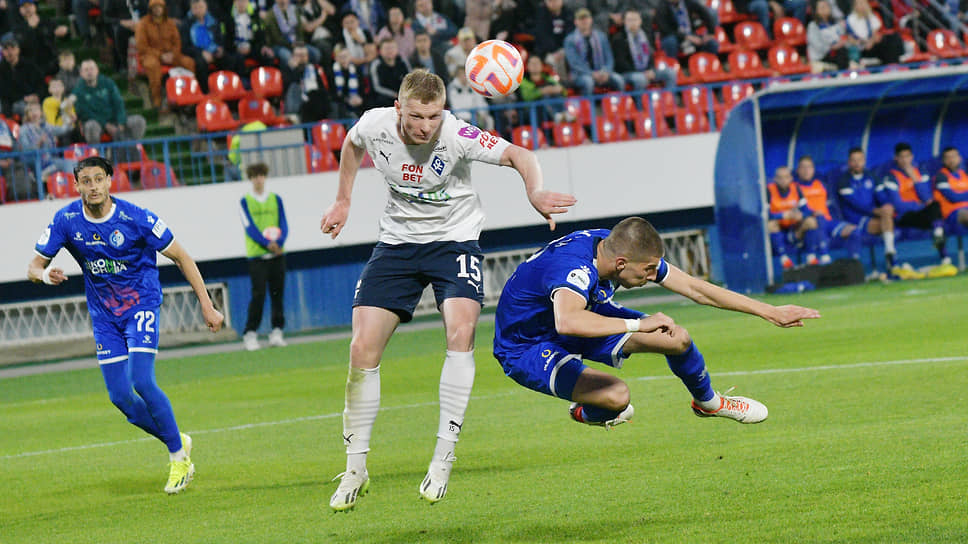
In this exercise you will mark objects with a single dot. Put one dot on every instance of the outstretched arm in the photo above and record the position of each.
(177, 253)
(703, 292)
(351, 157)
(545, 202)
(38, 267)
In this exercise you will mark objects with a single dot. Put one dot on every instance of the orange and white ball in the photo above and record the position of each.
(494, 68)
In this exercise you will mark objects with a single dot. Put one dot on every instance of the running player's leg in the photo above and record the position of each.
(112, 354)
(688, 364)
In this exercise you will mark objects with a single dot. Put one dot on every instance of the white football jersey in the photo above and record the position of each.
(430, 193)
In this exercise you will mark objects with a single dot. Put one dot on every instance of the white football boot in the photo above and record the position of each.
(434, 485)
(741, 409)
(352, 485)
(251, 341)
(276, 340)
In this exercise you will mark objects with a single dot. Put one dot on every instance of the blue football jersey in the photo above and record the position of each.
(525, 311)
(117, 254)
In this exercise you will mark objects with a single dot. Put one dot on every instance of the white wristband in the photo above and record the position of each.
(632, 325)
(46, 276)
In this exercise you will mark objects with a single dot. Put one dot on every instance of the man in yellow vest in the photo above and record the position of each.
(266, 230)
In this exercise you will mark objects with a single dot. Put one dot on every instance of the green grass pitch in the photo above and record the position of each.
(866, 442)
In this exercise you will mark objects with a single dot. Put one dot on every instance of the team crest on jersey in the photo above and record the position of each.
(117, 238)
(437, 165)
(469, 132)
(579, 278)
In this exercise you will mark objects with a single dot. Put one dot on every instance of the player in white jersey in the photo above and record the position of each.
(428, 234)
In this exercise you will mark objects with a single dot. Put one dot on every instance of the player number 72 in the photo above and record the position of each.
(146, 321)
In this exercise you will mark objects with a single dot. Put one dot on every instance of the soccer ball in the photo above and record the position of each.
(494, 68)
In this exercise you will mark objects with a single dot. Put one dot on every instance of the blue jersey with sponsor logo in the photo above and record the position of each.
(525, 312)
(117, 254)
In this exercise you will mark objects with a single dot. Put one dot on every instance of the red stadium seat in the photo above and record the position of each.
(76, 152)
(213, 115)
(917, 55)
(329, 135)
(725, 46)
(944, 44)
(320, 160)
(120, 182)
(226, 86)
(154, 175)
(525, 136)
(580, 109)
(568, 134)
(666, 63)
(258, 109)
(706, 68)
(644, 126)
(747, 65)
(785, 60)
(61, 185)
(266, 82)
(751, 35)
(699, 99)
(688, 122)
(734, 92)
(618, 106)
(726, 11)
(183, 91)
(789, 31)
(663, 103)
(611, 130)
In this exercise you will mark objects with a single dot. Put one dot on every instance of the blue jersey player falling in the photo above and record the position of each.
(557, 309)
(115, 243)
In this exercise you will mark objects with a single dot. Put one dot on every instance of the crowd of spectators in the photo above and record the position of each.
(340, 57)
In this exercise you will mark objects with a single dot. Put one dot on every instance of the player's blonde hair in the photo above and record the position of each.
(423, 87)
(635, 239)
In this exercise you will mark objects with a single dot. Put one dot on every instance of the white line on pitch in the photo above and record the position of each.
(425, 404)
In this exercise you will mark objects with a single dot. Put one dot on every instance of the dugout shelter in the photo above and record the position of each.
(824, 118)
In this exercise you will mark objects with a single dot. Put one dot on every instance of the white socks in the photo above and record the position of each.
(359, 413)
(711, 404)
(179, 455)
(888, 242)
(456, 381)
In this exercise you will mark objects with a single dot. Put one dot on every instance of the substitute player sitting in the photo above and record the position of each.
(115, 243)
(428, 234)
(815, 193)
(951, 191)
(791, 221)
(557, 309)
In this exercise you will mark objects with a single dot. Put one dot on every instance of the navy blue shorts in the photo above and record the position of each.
(136, 331)
(553, 367)
(397, 274)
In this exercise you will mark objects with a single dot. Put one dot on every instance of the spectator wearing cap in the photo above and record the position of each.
(37, 36)
(159, 43)
(100, 108)
(440, 28)
(456, 56)
(677, 22)
(23, 83)
(634, 58)
(590, 57)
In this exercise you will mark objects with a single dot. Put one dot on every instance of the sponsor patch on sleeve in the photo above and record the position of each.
(579, 278)
(470, 132)
(44, 238)
(159, 229)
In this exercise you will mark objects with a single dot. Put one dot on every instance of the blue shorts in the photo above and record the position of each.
(951, 224)
(553, 367)
(136, 330)
(831, 227)
(397, 274)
